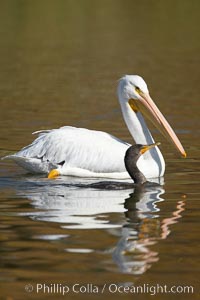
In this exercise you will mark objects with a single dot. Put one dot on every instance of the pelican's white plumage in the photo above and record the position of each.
(90, 153)
(85, 152)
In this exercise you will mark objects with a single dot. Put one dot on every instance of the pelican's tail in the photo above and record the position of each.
(33, 165)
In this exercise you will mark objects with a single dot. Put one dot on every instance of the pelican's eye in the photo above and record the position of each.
(137, 89)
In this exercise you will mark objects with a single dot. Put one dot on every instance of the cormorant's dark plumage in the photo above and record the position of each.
(131, 157)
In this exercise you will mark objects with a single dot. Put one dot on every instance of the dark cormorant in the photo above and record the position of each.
(131, 157)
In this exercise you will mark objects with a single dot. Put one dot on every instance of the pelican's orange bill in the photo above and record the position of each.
(149, 109)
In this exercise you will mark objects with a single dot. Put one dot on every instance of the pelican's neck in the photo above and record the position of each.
(136, 124)
(153, 159)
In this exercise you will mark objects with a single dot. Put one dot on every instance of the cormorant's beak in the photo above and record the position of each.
(148, 147)
(148, 108)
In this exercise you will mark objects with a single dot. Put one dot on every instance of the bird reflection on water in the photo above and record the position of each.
(143, 228)
(140, 226)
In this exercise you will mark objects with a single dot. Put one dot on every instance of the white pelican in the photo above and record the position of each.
(89, 153)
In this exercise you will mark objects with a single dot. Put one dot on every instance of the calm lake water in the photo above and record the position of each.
(59, 65)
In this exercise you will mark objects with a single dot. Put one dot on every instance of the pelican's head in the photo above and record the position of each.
(133, 90)
(130, 85)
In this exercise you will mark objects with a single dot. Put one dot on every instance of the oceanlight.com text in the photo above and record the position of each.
(112, 288)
